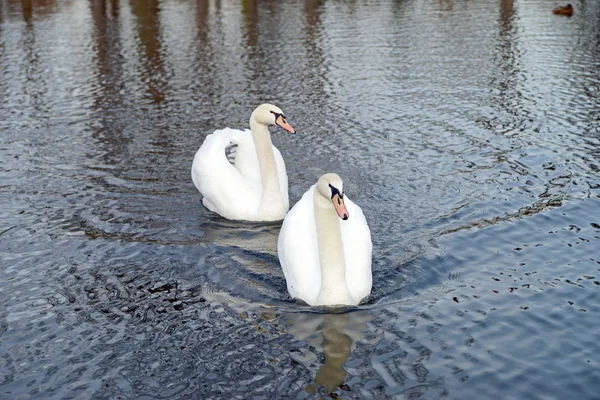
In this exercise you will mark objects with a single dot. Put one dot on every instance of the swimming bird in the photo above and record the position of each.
(324, 247)
(564, 10)
(253, 186)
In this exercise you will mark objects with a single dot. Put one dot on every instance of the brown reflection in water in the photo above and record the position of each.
(250, 12)
(30, 9)
(102, 43)
(35, 85)
(110, 77)
(446, 5)
(507, 77)
(507, 13)
(148, 25)
(313, 27)
(202, 14)
(313, 13)
(114, 8)
(255, 56)
(338, 336)
(27, 11)
(337, 346)
(314, 50)
(206, 55)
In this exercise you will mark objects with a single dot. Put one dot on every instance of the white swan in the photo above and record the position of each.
(326, 260)
(255, 188)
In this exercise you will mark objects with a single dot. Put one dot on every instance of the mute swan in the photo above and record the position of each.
(255, 188)
(326, 260)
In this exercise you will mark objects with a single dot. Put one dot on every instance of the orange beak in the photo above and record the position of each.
(284, 124)
(340, 207)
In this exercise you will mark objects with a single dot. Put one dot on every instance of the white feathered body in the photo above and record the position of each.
(236, 191)
(299, 252)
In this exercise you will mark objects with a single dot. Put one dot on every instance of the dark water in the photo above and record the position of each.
(468, 131)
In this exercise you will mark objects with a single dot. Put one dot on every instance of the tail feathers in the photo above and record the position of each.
(216, 142)
(217, 139)
(240, 137)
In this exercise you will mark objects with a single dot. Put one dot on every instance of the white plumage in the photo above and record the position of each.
(250, 189)
(298, 251)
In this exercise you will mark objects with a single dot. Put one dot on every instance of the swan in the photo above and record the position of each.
(255, 187)
(324, 247)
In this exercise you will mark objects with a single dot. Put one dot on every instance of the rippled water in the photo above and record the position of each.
(468, 131)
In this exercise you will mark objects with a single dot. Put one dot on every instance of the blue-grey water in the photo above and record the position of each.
(468, 132)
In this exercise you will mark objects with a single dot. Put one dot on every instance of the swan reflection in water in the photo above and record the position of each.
(334, 334)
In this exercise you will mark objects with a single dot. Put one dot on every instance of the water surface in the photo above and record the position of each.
(468, 132)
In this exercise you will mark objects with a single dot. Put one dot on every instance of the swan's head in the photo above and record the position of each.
(268, 114)
(332, 187)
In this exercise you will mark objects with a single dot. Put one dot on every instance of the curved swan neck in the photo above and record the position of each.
(266, 161)
(331, 253)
